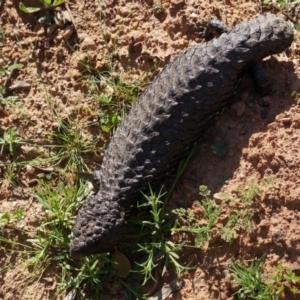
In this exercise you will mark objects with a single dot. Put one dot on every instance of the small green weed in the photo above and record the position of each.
(46, 4)
(255, 284)
(117, 105)
(7, 218)
(115, 92)
(10, 140)
(69, 145)
(219, 148)
(283, 4)
(201, 226)
(250, 280)
(5, 69)
(239, 220)
(242, 218)
(49, 245)
(157, 7)
(154, 229)
(248, 194)
(10, 174)
(115, 95)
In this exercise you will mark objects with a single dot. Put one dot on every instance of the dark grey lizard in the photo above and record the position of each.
(170, 116)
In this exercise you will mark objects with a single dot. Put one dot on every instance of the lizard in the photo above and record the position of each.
(170, 116)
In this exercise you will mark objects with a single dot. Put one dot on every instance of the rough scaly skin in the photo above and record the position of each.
(168, 119)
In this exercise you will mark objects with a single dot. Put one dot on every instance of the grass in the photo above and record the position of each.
(10, 140)
(283, 4)
(70, 144)
(151, 232)
(253, 283)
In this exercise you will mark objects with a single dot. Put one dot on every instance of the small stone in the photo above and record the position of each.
(273, 126)
(264, 223)
(135, 25)
(88, 44)
(41, 32)
(30, 170)
(218, 198)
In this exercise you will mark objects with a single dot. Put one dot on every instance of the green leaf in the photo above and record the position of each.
(5, 218)
(105, 128)
(58, 2)
(18, 214)
(219, 148)
(28, 10)
(46, 3)
(15, 66)
(2, 71)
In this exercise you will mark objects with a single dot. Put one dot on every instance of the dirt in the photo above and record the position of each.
(261, 135)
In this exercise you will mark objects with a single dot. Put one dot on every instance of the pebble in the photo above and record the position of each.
(218, 198)
(30, 170)
(88, 43)
(264, 223)
(135, 25)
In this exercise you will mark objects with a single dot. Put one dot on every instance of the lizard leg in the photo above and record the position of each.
(259, 77)
(214, 29)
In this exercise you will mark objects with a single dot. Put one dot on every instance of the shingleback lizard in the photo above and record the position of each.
(170, 116)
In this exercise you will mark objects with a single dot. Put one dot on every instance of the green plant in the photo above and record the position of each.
(10, 172)
(239, 220)
(280, 3)
(115, 91)
(117, 105)
(219, 148)
(7, 218)
(157, 7)
(199, 225)
(10, 139)
(248, 194)
(69, 146)
(283, 279)
(152, 237)
(250, 280)
(49, 245)
(46, 4)
(255, 284)
(4, 69)
(242, 217)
